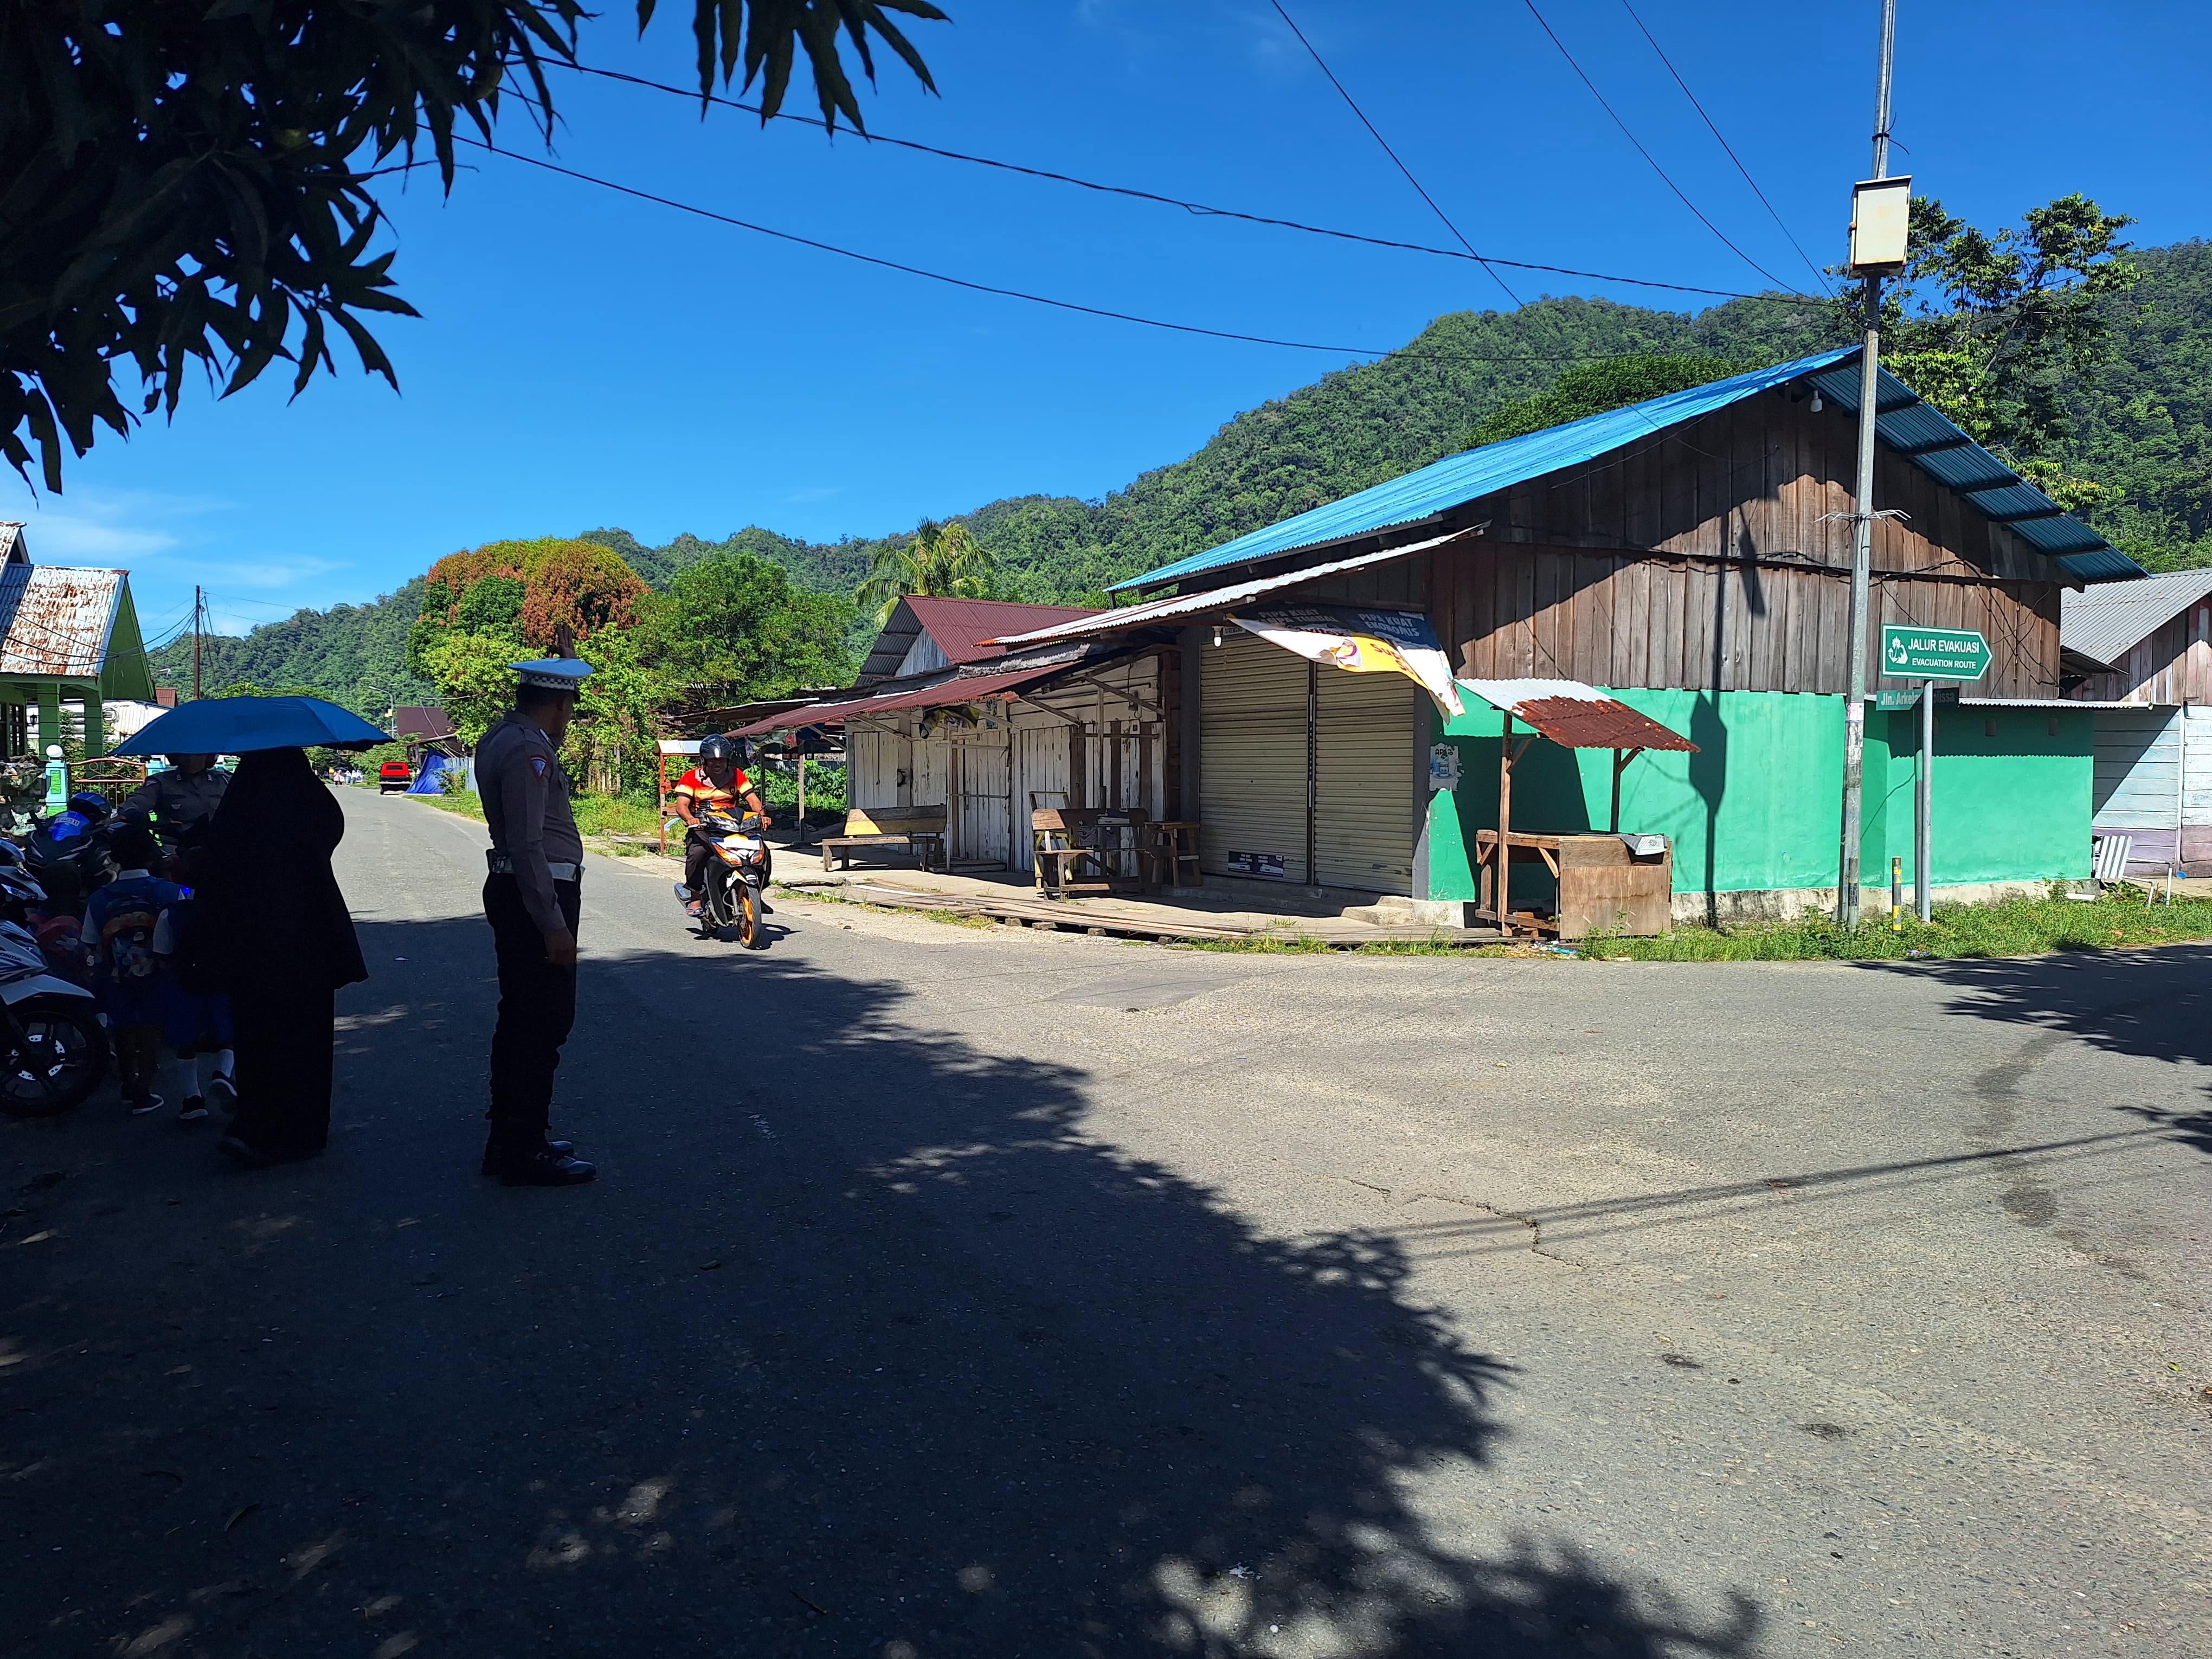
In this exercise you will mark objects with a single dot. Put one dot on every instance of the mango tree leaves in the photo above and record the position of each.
(191, 184)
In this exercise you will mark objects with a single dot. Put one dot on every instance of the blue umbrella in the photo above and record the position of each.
(234, 726)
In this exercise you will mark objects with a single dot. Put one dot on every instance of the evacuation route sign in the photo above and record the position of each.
(1934, 653)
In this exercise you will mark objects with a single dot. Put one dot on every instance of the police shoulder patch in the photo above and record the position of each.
(538, 764)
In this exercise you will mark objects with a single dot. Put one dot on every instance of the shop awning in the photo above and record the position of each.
(946, 694)
(1576, 716)
(1164, 612)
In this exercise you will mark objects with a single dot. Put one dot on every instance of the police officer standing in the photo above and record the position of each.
(186, 794)
(531, 899)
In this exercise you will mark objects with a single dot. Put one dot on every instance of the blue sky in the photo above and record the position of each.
(584, 359)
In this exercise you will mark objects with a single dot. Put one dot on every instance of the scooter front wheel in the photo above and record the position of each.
(56, 1056)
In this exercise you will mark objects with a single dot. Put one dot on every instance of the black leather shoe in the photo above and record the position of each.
(491, 1158)
(546, 1169)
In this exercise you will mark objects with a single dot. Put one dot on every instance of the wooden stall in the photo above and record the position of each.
(1613, 883)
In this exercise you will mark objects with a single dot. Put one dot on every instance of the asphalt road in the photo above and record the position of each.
(950, 1292)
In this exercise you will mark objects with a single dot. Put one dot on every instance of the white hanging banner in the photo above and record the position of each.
(1362, 642)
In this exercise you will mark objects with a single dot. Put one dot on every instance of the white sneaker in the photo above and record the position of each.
(221, 1083)
(141, 1108)
(194, 1110)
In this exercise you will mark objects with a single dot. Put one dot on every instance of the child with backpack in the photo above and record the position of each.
(131, 981)
(198, 1020)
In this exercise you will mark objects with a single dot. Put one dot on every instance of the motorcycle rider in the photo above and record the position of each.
(716, 784)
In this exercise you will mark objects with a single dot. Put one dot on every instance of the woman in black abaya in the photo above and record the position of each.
(279, 939)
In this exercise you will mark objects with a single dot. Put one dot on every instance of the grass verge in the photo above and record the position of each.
(2011, 927)
(596, 815)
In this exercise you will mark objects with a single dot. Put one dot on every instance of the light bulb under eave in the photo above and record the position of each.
(1216, 637)
(1817, 405)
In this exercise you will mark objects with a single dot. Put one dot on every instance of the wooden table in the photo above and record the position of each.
(1603, 888)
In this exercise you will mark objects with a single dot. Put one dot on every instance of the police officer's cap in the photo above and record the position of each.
(552, 673)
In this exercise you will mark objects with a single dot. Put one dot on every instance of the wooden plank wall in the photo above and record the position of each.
(1707, 559)
(2172, 665)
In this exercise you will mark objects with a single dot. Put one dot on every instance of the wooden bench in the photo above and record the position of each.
(920, 830)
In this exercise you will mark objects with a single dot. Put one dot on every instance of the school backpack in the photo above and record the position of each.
(127, 943)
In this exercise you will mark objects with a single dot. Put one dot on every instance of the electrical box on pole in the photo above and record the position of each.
(1882, 215)
(1878, 225)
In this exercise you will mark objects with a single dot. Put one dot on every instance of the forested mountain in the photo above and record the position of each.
(354, 654)
(2141, 426)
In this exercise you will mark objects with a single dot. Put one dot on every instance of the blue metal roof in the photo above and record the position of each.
(1903, 423)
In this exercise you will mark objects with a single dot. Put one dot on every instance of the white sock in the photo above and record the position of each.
(188, 1075)
(222, 1063)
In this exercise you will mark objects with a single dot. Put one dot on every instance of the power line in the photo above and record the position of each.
(1818, 275)
(1353, 105)
(1201, 210)
(1036, 299)
(1645, 153)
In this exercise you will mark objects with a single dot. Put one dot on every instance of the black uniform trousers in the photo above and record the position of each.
(537, 1007)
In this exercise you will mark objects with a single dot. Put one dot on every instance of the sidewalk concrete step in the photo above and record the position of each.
(1087, 916)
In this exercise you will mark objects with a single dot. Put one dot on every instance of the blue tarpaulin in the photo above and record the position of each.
(432, 779)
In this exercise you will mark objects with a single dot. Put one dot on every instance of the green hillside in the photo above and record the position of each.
(2142, 427)
(354, 654)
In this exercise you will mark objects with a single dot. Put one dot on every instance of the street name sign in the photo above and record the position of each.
(1903, 697)
(1934, 653)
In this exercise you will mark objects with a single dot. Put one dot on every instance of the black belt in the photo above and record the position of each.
(500, 865)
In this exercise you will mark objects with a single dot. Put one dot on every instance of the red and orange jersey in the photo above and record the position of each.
(708, 796)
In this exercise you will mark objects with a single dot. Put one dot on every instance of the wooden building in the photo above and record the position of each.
(1690, 556)
(943, 716)
(69, 634)
(2140, 655)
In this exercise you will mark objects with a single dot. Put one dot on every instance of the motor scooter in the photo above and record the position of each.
(68, 855)
(53, 1049)
(737, 870)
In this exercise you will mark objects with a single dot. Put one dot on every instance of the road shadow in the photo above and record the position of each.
(862, 1347)
(2149, 1004)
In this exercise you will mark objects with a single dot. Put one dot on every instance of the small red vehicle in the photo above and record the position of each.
(394, 775)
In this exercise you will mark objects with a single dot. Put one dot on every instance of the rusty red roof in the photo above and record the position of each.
(421, 721)
(55, 619)
(967, 630)
(1577, 716)
(946, 694)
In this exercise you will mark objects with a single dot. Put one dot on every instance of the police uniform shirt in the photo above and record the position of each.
(176, 799)
(525, 802)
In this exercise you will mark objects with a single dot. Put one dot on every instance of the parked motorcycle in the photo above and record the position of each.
(67, 855)
(737, 870)
(53, 1049)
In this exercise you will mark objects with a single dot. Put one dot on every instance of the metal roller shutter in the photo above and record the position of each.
(1252, 775)
(1364, 800)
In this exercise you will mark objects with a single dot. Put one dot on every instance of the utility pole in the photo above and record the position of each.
(195, 644)
(1847, 882)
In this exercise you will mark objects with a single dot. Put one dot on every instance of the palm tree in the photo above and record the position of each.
(941, 562)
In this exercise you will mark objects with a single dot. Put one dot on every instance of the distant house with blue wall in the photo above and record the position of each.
(2139, 655)
(1691, 555)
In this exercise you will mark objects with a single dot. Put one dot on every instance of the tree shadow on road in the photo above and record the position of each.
(2149, 1004)
(863, 1345)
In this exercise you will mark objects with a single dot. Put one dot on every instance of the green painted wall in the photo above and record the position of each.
(1758, 805)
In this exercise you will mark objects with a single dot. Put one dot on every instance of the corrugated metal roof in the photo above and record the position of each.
(55, 619)
(2103, 622)
(968, 631)
(1943, 451)
(1905, 424)
(1217, 598)
(946, 693)
(963, 629)
(1577, 716)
